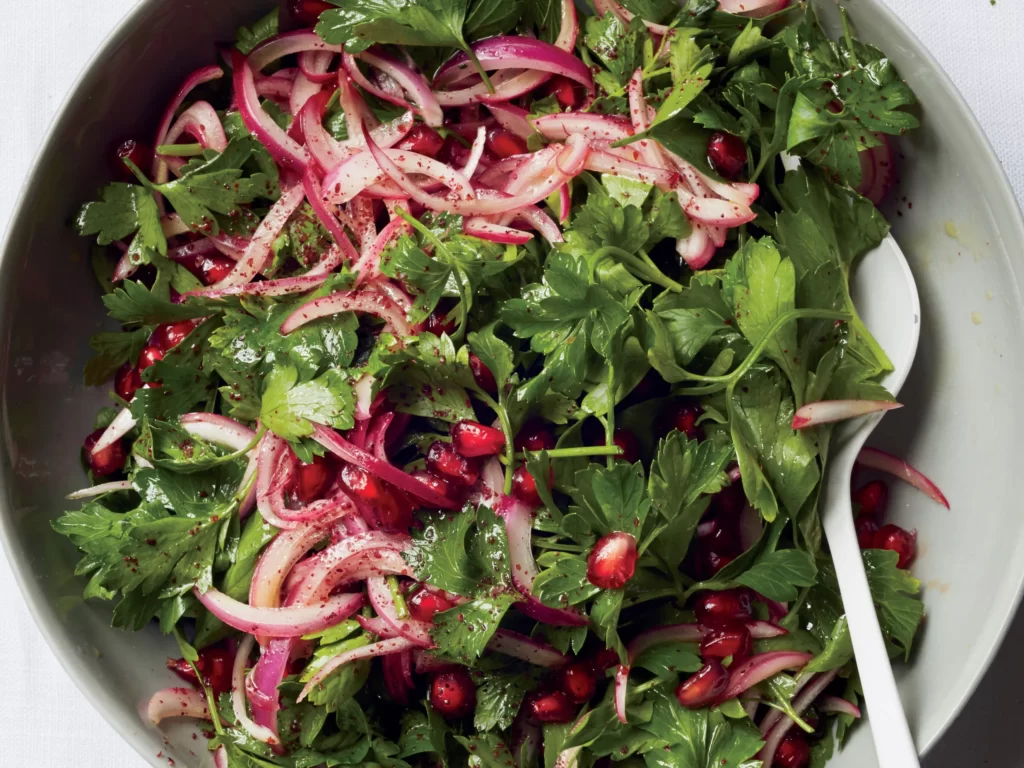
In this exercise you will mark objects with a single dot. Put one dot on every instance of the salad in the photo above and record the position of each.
(474, 383)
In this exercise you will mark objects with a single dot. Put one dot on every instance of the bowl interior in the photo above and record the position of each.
(954, 216)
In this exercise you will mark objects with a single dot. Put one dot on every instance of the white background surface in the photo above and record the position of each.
(43, 45)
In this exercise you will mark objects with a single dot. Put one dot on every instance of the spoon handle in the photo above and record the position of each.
(893, 743)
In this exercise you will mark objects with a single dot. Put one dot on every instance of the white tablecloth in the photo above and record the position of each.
(43, 45)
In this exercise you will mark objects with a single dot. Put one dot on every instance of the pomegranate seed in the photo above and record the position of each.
(443, 460)
(438, 323)
(716, 561)
(482, 375)
(628, 444)
(422, 139)
(150, 356)
(214, 664)
(866, 529)
(612, 561)
(423, 605)
(720, 643)
(391, 510)
(184, 670)
(554, 707)
(213, 268)
(720, 609)
(139, 153)
(126, 381)
(684, 418)
(565, 92)
(313, 479)
(471, 438)
(793, 752)
(898, 540)
(166, 337)
(524, 487)
(605, 659)
(439, 485)
(723, 540)
(105, 462)
(453, 693)
(504, 144)
(872, 499)
(535, 435)
(703, 687)
(308, 11)
(577, 681)
(727, 154)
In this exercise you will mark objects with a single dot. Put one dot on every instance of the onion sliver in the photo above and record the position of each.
(292, 621)
(831, 411)
(382, 648)
(873, 458)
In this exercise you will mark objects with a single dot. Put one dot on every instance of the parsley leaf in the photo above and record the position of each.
(289, 406)
(429, 378)
(777, 574)
(462, 633)
(248, 38)
(112, 351)
(499, 698)
(612, 499)
(125, 209)
(133, 303)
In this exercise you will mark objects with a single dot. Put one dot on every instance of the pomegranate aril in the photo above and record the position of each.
(126, 381)
(422, 139)
(213, 268)
(184, 670)
(565, 91)
(482, 375)
(898, 540)
(577, 681)
(535, 436)
(137, 152)
(628, 445)
(612, 561)
(723, 540)
(872, 499)
(150, 355)
(105, 462)
(554, 707)
(453, 693)
(866, 529)
(166, 337)
(727, 154)
(724, 608)
(423, 605)
(438, 323)
(440, 485)
(308, 11)
(703, 687)
(443, 460)
(214, 664)
(391, 509)
(504, 143)
(793, 752)
(313, 479)
(722, 643)
(684, 418)
(524, 487)
(470, 438)
(605, 659)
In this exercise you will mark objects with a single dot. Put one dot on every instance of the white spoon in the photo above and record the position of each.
(886, 297)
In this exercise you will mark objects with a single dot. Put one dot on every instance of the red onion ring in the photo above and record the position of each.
(413, 630)
(287, 44)
(525, 648)
(314, 195)
(873, 458)
(177, 702)
(350, 301)
(291, 621)
(760, 667)
(193, 81)
(831, 411)
(410, 81)
(516, 52)
(284, 149)
(382, 648)
(257, 732)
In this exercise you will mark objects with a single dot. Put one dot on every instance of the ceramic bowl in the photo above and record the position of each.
(954, 216)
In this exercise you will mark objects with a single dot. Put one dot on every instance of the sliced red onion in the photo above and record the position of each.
(759, 630)
(201, 122)
(217, 429)
(611, 6)
(393, 292)
(172, 224)
(427, 662)
(526, 649)
(755, 9)
(543, 223)
(361, 170)
(391, 665)
(261, 687)
(413, 630)
(760, 667)
(513, 119)
(342, 448)
(272, 452)
(220, 758)
(261, 246)
(324, 149)
(774, 737)
(187, 253)
(508, 84)
(878, 170)
(594, 127)
(257, 732)
(831, 411)
(314, 195)
(286, 286)
(303, 90)
(193, 81)
(122, 424)
(287, 44)
(839, 706)
(355, 562)
(515, 52)
(314, 65)
(232, 246)
(475, 153)
(277, 562)
(873, 458)
(292, 621)
(382, 648)
(177, 702)
(350, 301)
(621, 688)
(411, 81)
(670, 633)
(284, 149)
(278, 89)
(478, 226)
(376, 626)
(696, 249)
(605, 162)
(99, 490)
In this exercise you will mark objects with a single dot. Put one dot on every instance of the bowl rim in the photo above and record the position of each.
(129, 727)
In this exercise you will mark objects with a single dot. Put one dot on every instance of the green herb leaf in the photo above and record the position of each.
(289, 407)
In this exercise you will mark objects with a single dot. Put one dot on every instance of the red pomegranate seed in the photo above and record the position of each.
(184, 670)
(423, 605)
(453, 693)
(482, 375)
(866, 529)
(213, 268)
(313, 479)
(214, 664)
(105, 462)
(565, 91)
(577, 681)
(440, 485)
(628, 444)
(170, 335)
(703, 687)
(308, 11)
(716, 561)
(535, 435)
(684, 418)
(139, 153)
(727, 154)
(504, 144)
(898, 540)
(391, 509)
(605, 659)
(554, 707)
(793, 752)
(438, 323)
(723, 539)
(721, 609)
(126, 381)
(524, 487)
(872, 499)
(720, 643)
(150, 356)
(471, 438)
(612, 561)
(443, 460)
(422, 139)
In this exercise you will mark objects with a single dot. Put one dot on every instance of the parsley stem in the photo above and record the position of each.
(640, 269)
(572, 453)
(479, 68)
(180, 150)
(609, 427)
(401, 609)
